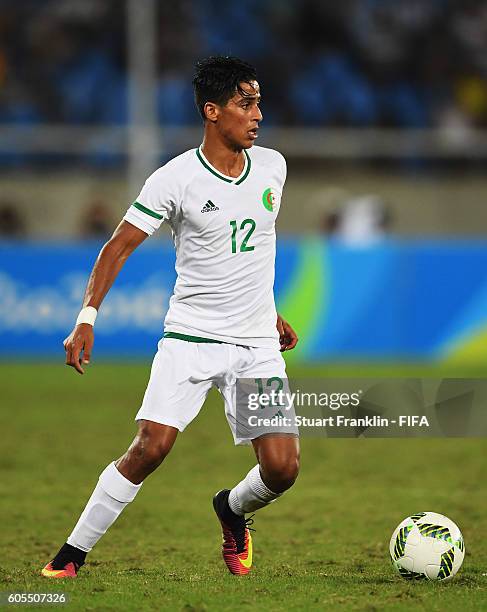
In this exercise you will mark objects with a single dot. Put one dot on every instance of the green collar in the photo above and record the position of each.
(228, 179)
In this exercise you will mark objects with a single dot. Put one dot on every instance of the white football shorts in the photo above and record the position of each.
(183, 373)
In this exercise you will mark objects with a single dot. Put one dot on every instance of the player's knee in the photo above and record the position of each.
(280, 475)
(288, 472)
(151, 448)
(152, 456)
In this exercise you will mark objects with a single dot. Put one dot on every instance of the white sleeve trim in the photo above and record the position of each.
(134, 219)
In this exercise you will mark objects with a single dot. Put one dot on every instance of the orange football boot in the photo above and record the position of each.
(65, 564)
(237, 541)
(70, 570)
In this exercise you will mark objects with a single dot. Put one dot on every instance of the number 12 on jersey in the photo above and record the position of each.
(244, 246)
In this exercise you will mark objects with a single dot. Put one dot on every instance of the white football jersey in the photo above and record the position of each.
(224, 234)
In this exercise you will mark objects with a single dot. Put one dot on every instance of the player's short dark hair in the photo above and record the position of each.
(217, 79)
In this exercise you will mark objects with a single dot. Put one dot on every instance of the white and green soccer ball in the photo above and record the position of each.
(427, 546)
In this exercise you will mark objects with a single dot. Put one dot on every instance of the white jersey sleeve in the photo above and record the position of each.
(283, 169)
(160, 197)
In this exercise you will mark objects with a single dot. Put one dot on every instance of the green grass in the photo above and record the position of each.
(323, 545)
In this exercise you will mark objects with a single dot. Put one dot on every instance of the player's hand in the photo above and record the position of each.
(287, 336)
(78, 346)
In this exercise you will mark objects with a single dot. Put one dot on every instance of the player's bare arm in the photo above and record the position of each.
(287, 336)
(125, 240)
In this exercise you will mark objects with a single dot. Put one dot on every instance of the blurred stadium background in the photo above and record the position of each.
(379, 106)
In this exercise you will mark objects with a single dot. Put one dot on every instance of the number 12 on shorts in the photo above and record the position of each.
(247, 224)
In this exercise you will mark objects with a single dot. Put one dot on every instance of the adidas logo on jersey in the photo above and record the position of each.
(209, 207)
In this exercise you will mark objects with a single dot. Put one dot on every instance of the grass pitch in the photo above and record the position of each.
(323, 545)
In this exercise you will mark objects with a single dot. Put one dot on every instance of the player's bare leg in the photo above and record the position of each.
(278, 457)
(117, 486)
(277, 470)
(151, 445)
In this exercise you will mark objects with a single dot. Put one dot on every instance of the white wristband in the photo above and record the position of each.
(87, 315)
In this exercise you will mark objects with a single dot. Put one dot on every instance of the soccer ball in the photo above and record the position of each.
(427, 545)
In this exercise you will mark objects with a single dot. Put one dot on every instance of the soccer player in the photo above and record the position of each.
(221, 201)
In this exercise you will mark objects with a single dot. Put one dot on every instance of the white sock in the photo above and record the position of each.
(112, 493)
(251, 494)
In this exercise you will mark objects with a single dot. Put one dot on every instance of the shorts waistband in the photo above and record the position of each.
(187, 338)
